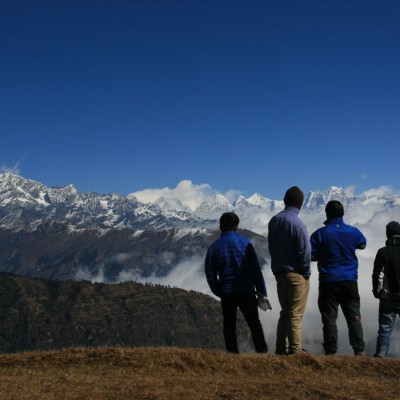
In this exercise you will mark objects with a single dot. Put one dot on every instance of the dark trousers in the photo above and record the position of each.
(345, 294)
(247, 304)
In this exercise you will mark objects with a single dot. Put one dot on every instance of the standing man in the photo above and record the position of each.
(334, 247)
(386, 286)
(289, 246)
(233, 274)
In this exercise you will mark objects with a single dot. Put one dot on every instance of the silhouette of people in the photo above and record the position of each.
(289, 247)
(233, 274)
(386, 286)
(334, 247)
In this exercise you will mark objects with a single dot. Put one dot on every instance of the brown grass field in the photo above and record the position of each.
(177, 374)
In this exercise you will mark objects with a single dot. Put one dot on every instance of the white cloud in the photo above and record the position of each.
(185, 194)
(120, 257)
(232, 195)
(350, 190)
(188, 274)
(380, 191)
(83, 274)
(15, 169)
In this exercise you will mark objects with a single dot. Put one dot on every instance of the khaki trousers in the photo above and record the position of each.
(293, 291)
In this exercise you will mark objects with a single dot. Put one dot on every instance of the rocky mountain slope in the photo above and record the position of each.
(57, 232)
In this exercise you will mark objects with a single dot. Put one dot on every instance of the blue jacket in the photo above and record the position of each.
(334, 247)
(231, 266)
(289, 243)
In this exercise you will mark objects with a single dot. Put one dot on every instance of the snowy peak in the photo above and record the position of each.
(212, 208)
(263, 202)
(319, 198)
(15, 190)
(258, 200)
(170, 205)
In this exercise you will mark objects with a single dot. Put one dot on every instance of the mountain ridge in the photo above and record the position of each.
(25, 203)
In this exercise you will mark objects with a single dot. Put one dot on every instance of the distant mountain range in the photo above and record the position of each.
(56, 232)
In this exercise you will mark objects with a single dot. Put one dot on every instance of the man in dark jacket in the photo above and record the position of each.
(334, 247)
(234, 274)
(386, 286)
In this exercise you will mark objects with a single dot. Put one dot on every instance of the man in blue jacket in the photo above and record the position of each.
(233, 274)
(290, 250)
(334, 247)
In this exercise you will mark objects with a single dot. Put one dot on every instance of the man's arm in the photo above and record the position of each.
(258, 278)
(362, 241)
(211, 274)
(314, 241)
(304, 249)
(379, 265)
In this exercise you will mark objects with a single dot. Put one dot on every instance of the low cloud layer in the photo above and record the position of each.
(370, 217)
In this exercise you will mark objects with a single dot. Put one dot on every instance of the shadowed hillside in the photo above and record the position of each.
(181, 374)
(53, 251)
(40, 314)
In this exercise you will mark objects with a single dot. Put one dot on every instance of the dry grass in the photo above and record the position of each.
(174, 373)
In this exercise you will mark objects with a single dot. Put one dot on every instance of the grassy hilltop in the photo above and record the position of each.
(177, 373)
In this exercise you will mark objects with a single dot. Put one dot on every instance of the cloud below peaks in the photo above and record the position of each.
(184, 195)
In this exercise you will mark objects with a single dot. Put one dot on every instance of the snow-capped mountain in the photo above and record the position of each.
(212, 209)
(319, 198)
(58, 232)
(25, 204)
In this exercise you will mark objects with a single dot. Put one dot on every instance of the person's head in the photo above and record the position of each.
(392, 229)
(229, 221)
(294, 197)
(334, 209)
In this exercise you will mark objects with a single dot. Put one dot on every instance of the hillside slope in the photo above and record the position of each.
(40, 314)
(53, 251)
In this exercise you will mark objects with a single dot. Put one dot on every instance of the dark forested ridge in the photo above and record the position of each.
(43, 314)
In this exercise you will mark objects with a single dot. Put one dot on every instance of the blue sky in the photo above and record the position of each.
(253, 96)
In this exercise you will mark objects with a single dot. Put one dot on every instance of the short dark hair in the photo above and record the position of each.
(294, 197)
(228, 221)
(334, 209)
(392, 228)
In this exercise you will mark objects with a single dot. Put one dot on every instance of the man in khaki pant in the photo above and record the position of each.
(290, 250)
